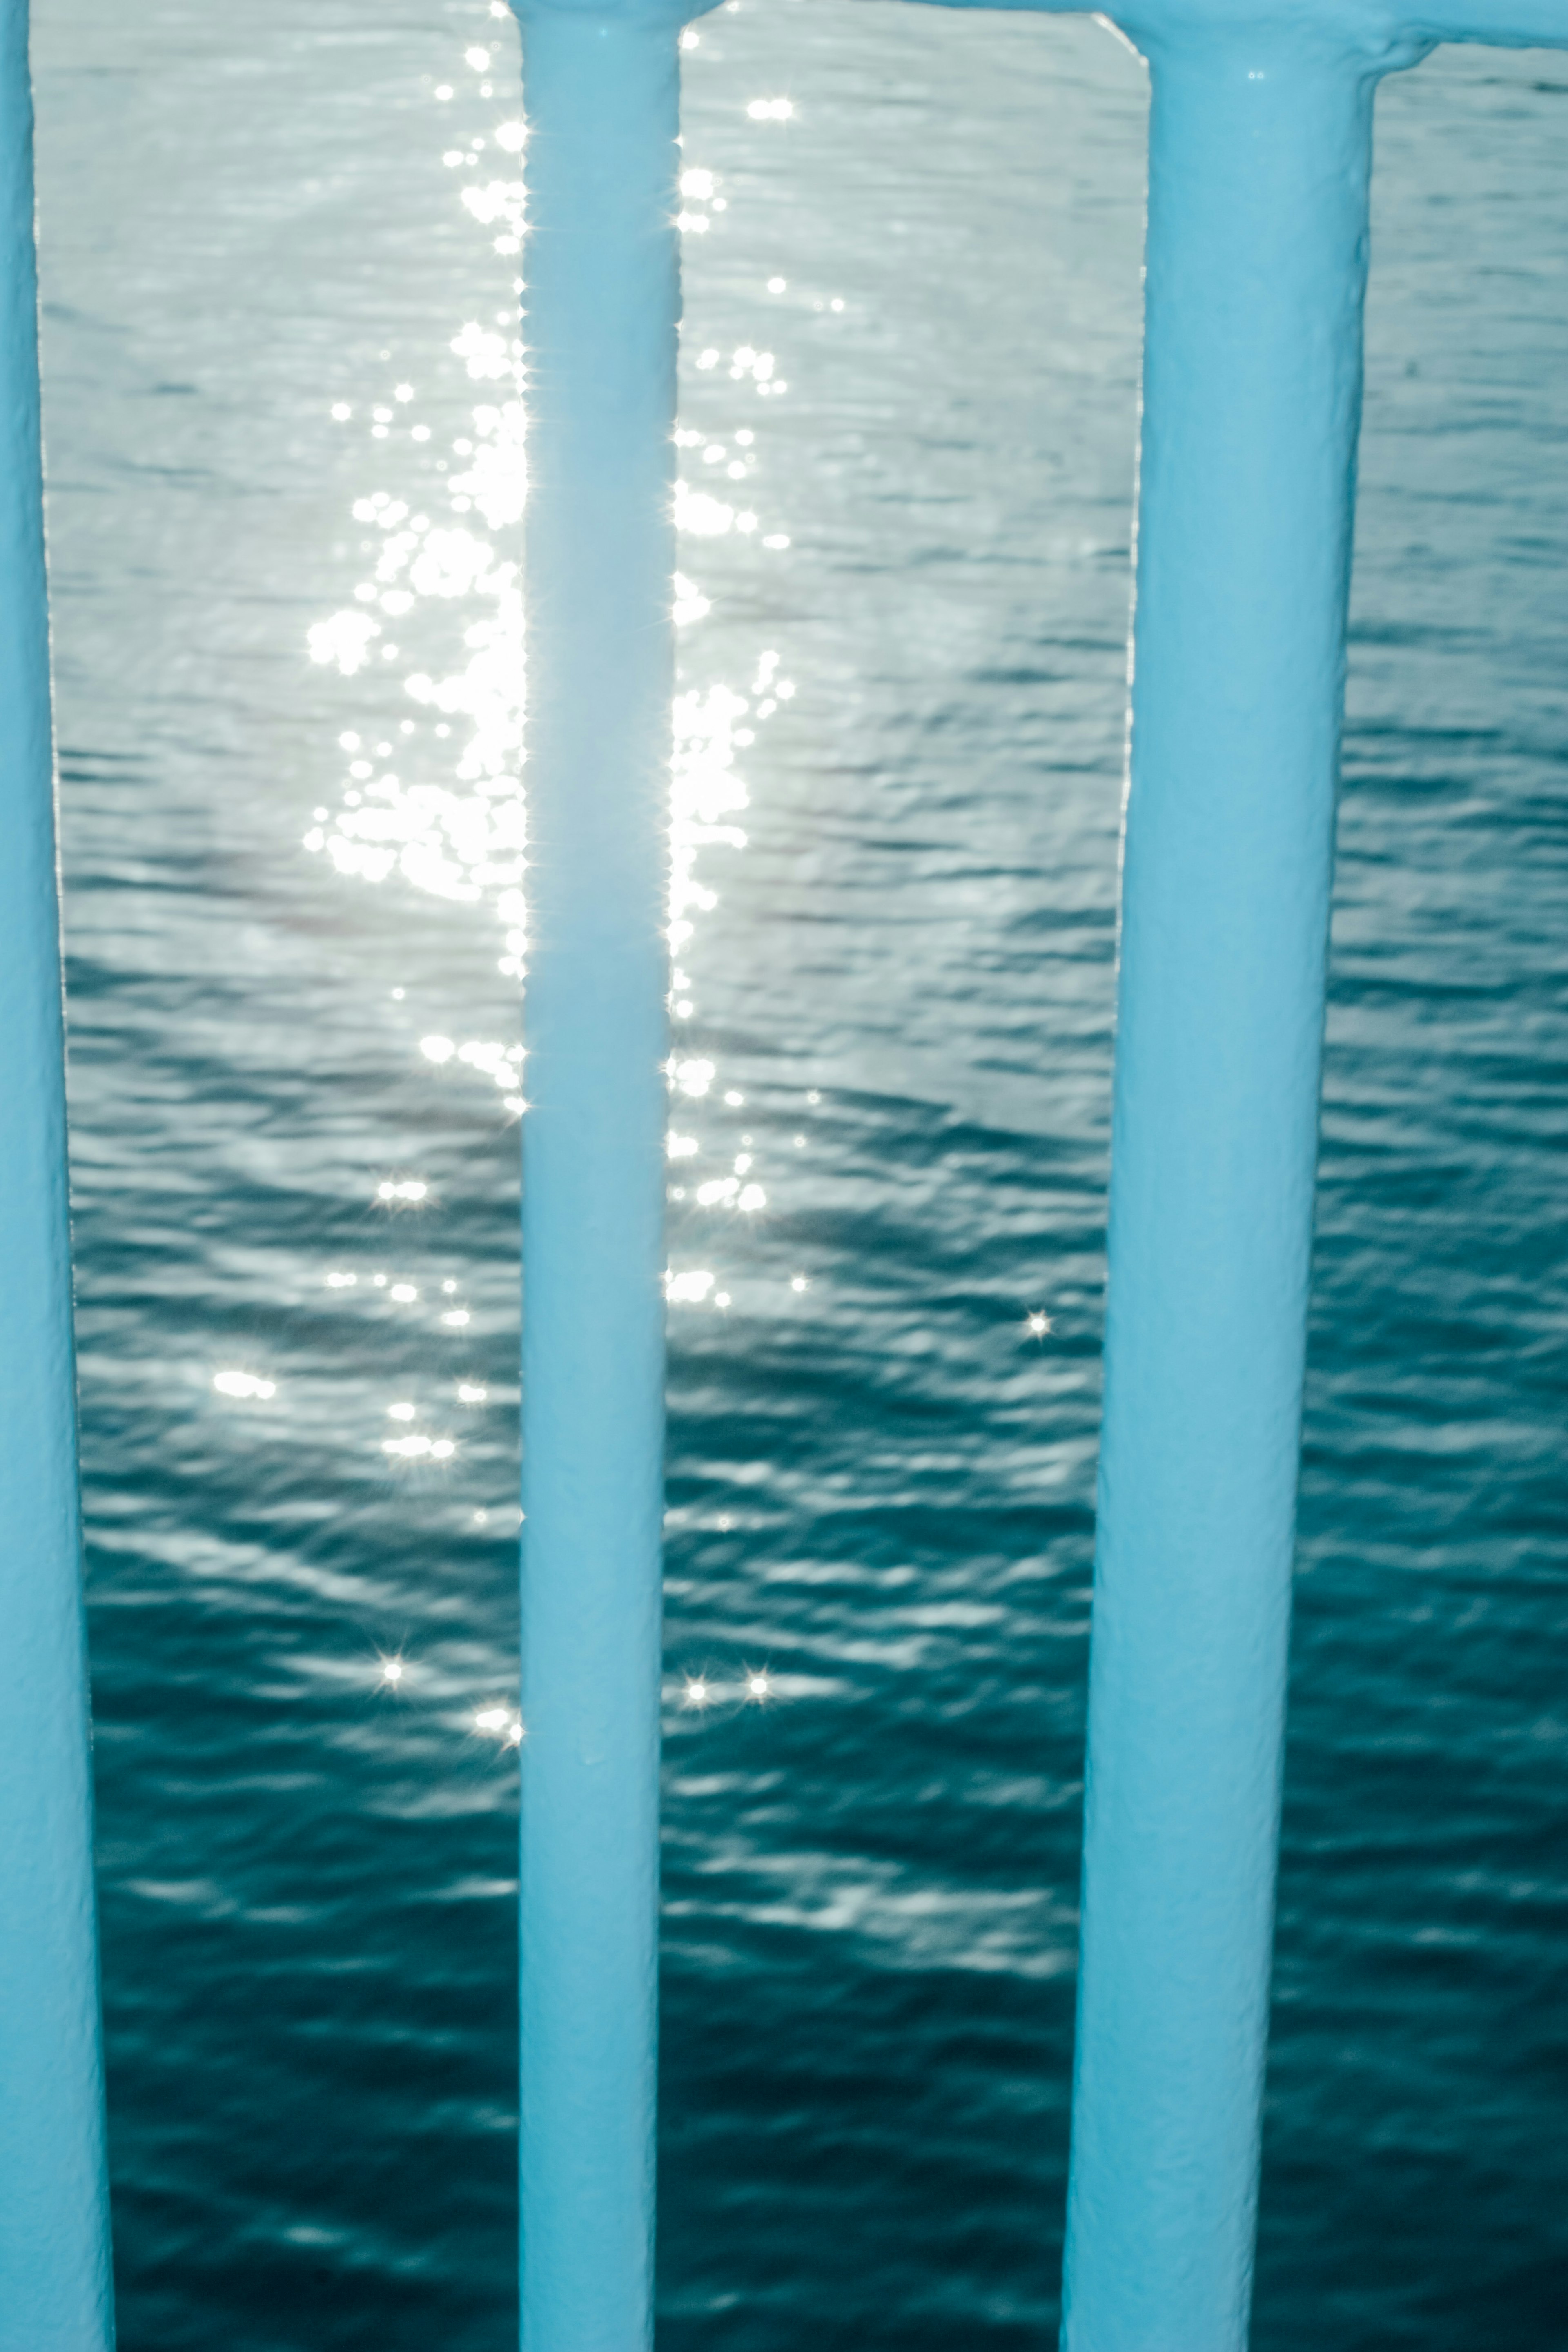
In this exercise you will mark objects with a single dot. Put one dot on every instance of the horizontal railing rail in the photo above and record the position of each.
(1259, 163)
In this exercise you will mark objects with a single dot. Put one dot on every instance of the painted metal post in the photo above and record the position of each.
(1258, 170)
(1260, 159)
(1261, 145)
(55, 2276)
(1260, 142)
(601, 93)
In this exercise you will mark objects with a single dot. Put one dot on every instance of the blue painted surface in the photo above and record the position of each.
(1260, 153)
(881, 1488)
(55, 2285)
(1260, 159)
(1259, 163)
(601, 93)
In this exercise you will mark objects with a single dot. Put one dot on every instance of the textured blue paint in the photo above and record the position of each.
(602, 89)
(1260, 151)
(1260, 159)
(1260, 143)
(55, 2283)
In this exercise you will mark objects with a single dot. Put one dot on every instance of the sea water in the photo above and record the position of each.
(280, 250)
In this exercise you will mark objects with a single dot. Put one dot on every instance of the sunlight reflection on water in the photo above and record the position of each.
(880, 1471)
(434, 800)
(449, 817)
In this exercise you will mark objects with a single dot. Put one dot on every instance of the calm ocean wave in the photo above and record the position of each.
(291, 861)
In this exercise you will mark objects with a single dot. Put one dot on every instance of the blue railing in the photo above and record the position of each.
(55, 2278)
(1259, 172)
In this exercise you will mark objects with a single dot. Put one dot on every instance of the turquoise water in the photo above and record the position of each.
(292, 1007)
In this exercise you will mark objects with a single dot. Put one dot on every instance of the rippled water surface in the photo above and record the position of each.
(287, 627)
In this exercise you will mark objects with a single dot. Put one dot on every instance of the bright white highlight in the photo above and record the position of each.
(419, 1449)
(344, 639)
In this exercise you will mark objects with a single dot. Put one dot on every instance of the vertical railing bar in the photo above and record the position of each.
(55, 2272)
(601, 96)
(1261, 144)
(1258, 172)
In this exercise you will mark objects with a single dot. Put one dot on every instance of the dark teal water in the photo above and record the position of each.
(880, 1485)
